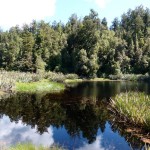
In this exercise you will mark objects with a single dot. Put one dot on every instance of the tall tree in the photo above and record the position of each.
(25, 61)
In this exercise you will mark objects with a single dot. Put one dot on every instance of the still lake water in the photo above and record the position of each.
(76, 118)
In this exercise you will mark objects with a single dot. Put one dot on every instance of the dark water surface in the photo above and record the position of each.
(76, 118)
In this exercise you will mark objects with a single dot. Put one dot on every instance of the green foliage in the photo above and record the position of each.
(40, 64)
(130, 77)
(133, 106)
(8, 79)
(85, 46)
(25, 62)
(33, 82)
(29, 146)
(72, 76)
(82, 63)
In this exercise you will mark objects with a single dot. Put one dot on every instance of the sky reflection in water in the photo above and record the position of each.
(12, 133)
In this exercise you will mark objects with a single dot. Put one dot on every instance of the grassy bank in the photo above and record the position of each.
(12, 81)
(33, 82)
(134, 108)
(24, 82)
(40, 86)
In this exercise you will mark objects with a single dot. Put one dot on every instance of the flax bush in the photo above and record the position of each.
(134, 106)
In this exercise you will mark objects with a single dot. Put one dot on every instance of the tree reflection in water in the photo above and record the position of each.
(84, 115)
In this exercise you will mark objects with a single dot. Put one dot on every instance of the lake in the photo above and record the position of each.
(77, 119)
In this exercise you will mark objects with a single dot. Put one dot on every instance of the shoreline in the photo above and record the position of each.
(45, 85)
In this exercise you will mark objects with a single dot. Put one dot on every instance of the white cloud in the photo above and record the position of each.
(97, 145)
(12, 133)
(100, 3)
(14, 12)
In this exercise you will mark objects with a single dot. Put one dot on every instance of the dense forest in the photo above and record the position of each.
(87, 46)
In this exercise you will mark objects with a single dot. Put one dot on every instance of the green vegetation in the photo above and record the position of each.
(100, 79)
(87, 47)
(85, 80)
(8, 79)
(134, 107)
(29, 146)
(40, 86)
(73, 80)
(88, 80)
(33, 82)
(130, 77)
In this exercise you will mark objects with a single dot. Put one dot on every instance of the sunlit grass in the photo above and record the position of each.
(40, 86)
(29, 146)
(134, 106)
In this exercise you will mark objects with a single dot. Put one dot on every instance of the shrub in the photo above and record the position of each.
(72, 76)
(130, 77)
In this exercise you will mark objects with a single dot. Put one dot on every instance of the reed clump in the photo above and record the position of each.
(134, 107)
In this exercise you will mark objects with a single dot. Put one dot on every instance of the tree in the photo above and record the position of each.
(83, 46)
(25, 60)
(115, 24)
(104, 23)
(82, 63)
(40, 64)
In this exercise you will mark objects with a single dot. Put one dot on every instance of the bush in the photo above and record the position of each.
(71, 76)
(56, 77)
(130, 77)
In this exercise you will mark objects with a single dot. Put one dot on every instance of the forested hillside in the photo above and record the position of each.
(87, 47)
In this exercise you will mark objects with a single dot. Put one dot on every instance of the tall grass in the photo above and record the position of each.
(134, 107)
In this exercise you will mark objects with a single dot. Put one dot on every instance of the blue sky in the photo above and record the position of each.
(105, 8)
(14, 12)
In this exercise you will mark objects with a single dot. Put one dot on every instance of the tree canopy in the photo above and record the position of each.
(87, 47)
